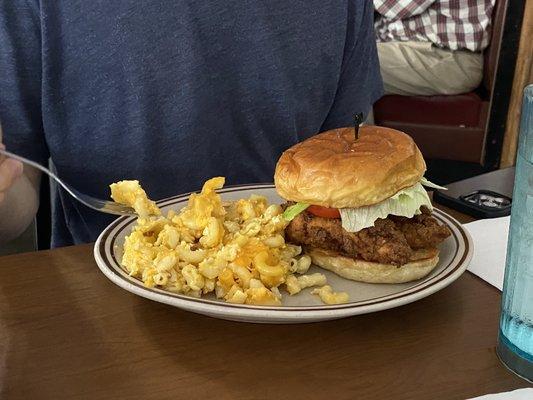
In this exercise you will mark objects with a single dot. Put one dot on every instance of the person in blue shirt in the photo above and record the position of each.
(170, 93)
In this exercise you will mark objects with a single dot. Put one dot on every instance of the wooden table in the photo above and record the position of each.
(66, 332)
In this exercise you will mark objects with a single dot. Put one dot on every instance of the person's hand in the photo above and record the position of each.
(10, 170)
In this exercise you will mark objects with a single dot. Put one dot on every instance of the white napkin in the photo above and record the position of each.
(520, 394)
(490, 249)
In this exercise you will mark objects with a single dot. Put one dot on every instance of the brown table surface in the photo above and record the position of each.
(68, 332)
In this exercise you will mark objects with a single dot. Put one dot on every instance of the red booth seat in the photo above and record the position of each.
(444, 127)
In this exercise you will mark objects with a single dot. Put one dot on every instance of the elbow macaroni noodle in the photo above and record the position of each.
(328, 296)
(236, 250)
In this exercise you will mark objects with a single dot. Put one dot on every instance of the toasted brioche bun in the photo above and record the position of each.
(421, 264)
(332, 169)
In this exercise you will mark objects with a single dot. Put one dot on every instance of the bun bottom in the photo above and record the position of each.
(421, 264)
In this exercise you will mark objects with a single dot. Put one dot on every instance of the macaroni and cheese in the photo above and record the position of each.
(236, 250)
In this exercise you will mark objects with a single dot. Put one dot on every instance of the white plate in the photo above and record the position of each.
(455, 256)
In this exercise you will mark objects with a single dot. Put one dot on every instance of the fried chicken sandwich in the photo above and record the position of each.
(358, 205)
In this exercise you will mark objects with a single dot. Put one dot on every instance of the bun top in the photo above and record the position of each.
(332, 169)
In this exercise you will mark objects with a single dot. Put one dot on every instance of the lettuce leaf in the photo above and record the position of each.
(405, 203)
(291, 212)
(427, 183)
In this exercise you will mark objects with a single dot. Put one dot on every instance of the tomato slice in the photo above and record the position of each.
(324, 212)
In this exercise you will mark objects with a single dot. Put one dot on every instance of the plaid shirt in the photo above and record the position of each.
(452, 24)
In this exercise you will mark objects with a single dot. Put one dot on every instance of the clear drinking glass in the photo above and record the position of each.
(515, 342)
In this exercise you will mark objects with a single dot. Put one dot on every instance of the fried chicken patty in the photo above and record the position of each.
(422, 231)
(390, 241)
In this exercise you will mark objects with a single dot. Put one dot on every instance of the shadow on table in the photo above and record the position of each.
(241, 359)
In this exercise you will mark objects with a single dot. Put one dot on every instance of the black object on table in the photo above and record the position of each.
(484, 196)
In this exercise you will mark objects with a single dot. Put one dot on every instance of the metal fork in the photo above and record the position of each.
(105, 206)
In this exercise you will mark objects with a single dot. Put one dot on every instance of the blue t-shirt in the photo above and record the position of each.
(174, 92)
